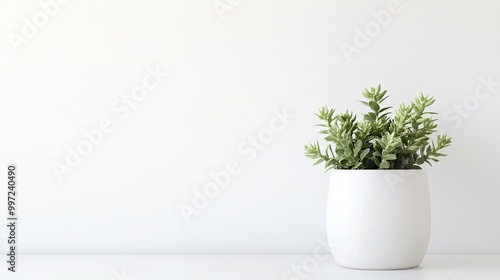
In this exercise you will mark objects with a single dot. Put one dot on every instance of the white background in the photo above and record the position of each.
(227, 75)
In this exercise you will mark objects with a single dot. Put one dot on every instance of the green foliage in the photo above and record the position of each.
(378, 141)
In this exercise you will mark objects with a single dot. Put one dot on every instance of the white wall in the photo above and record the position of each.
(226, 79)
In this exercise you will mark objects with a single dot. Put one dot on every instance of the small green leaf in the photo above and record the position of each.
(391, 157)
(384, 165)
(422, 149)
(364, 153)
(413, 148)
(384, 109)
(358, 144)
(357, 147)
(370, 117)
(374, 106)
(414, 124)
(347, 152)
(420, 160)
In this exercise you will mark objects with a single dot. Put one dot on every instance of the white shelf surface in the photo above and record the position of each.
(239, 267)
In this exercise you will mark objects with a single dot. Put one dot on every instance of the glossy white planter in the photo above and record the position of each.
(378, 219)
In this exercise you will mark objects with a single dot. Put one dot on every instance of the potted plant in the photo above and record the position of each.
(378, 214)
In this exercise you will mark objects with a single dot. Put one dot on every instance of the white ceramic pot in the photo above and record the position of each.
(378, 219)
